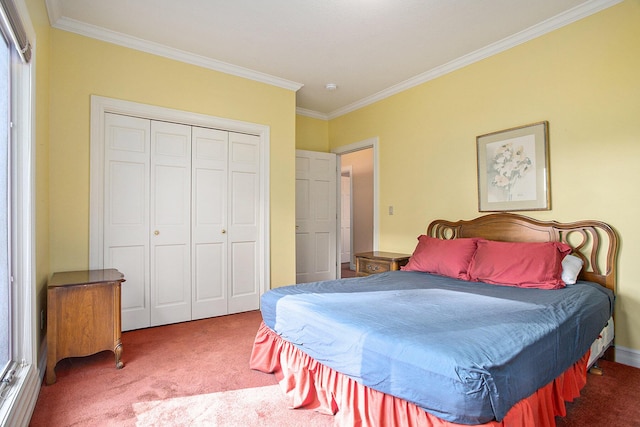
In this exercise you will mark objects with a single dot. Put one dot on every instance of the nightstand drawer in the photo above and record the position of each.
(368, 263)
(370, 266)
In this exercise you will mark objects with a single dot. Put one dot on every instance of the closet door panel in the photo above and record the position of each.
(133, 259)
(209, 222)
(126, 213)
(209, 281)
(169, 268)
(243, 278)
(210, 211)
(244, 201)
(244, 188)
(209, 287)
(171, 223)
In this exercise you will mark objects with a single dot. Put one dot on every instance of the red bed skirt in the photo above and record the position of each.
(311, 385)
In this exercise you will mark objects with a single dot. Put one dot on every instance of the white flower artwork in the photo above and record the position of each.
(511, 170)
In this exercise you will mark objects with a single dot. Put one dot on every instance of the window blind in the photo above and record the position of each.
(17, 34)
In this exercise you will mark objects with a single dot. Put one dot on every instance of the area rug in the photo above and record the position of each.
(259, 406)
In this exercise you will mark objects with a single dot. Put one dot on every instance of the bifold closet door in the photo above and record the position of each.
(170, 221)
(209, 222)
(243, 224)
(147, 225)
(181, 212)
(225, 218)
(126, 212)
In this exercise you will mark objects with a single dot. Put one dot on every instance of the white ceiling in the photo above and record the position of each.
(369, 48)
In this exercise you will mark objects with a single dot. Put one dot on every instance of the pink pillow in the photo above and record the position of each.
(526, 265)
(444, 257)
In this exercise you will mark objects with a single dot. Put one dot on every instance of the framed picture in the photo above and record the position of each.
(513, 169)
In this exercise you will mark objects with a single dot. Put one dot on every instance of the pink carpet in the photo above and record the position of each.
(260, 406)
(192, 362)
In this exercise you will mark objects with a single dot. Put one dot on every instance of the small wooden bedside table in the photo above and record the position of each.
(83, 316)
(375, 262)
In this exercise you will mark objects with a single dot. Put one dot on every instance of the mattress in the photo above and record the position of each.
(463, 351)
(602, 343)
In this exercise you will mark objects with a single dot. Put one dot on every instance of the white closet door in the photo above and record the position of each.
(181, 212)
(209, 222)
(243, 228)
(171, 223)
(126, 212)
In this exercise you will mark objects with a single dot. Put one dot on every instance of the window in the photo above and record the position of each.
(5, 291)
(19, 379)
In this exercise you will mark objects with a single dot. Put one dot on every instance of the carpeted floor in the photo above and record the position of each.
(163, 363)
(196, 373)
(607, 400)
(346, 272)
(258, 406)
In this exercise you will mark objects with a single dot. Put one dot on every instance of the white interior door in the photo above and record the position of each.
(170, 213)
(315, 216)
(243, 224)
(126, 212)
(209, 222)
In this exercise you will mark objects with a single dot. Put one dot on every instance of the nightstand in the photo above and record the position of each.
(83, 316)
(375, 262)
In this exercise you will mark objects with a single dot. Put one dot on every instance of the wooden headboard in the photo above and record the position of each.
(589, 239)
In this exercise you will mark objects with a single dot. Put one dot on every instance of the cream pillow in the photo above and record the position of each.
(571, 266)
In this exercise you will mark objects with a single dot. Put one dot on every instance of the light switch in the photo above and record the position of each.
(390, 210)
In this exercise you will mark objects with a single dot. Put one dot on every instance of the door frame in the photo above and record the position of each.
(102, 105)
(373, 143)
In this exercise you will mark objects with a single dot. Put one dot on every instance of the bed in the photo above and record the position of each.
(488, 324)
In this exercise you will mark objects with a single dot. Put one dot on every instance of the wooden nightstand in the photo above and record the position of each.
(368, 263)
(83, 315)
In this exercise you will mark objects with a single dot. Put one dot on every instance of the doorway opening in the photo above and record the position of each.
(358, 198)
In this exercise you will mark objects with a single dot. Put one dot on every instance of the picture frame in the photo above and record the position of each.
(513, 169)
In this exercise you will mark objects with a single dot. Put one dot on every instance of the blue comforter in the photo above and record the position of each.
(463, 351)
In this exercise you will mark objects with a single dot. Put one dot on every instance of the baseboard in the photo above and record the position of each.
(628, 356)
(42, 359)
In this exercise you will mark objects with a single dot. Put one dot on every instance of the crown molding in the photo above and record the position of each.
(312, 114)
(582, 11)
(551, 24)
(99, 33)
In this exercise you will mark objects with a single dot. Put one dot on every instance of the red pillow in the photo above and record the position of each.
(527, 265)
(444, 257)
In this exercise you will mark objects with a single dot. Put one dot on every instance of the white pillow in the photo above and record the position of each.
(571, 266)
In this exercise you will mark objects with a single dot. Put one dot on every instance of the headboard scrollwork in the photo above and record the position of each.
(595, 242)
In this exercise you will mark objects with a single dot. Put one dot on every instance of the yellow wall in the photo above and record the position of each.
(582, 78)
(82, 66)
(312, 134)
